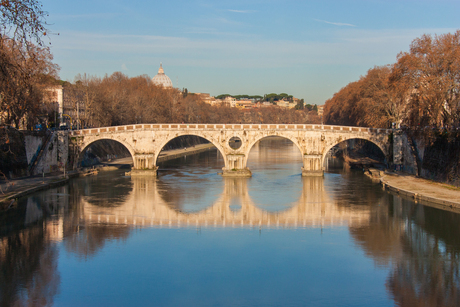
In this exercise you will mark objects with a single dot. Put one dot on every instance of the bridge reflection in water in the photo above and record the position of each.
(418, 247)
(144, 207)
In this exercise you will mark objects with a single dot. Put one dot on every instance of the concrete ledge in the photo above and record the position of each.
(417, 197)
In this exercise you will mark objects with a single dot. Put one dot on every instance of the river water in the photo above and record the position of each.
(193, 238)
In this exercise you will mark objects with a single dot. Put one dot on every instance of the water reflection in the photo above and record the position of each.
(417, 246)
(420, 245)
(28, 267)
(106, 189)
(276, 163)
(145, 206)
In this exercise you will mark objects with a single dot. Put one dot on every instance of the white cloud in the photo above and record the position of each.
(123, 67)
(344, 47)
(339, 46)
(336, 23)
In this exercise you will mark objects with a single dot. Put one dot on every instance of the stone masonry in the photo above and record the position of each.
(145, 141)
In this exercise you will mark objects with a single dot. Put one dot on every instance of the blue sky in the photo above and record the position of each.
(309, 49)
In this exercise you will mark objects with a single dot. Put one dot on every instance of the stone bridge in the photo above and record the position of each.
(234, 141)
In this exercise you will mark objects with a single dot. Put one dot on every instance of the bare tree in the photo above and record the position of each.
(24, 62)
(431, 71)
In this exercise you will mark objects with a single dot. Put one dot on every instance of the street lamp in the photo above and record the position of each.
(69, 118)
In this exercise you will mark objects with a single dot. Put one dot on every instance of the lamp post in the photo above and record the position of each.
(78, 115)
(55, 115)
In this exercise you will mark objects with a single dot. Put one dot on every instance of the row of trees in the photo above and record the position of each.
(272, 97)
(119, 100)
(25, 64)
(25, 74)
(421, 89)
(238, 97)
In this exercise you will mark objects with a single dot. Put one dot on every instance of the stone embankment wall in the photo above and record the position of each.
(32, 141)
(57, 154)
(432, 154)
(406, 155)
(20, 149)
(54, 151)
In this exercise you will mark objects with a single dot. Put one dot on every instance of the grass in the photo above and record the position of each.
(444, 185)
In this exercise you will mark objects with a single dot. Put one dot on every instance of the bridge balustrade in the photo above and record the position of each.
(229, 127)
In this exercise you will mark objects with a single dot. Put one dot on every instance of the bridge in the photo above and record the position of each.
(234, 141)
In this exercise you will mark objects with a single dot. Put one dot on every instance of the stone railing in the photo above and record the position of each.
(291, 127)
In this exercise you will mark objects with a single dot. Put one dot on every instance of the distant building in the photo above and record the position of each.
(266, 104)
(244, 104)
(285, 104)
(161, 79)
(230, 101)
(320, 110)
(205, 97)
(55, 95)
(68, 104)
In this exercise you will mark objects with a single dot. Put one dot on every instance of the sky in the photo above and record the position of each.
(309, 49)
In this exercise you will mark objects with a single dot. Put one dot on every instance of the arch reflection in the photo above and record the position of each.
(145, 206)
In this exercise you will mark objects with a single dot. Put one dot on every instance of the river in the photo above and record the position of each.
(193, 238)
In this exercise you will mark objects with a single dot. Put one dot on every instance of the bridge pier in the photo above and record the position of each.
(235, 166)
(312, 166)
(144, 165)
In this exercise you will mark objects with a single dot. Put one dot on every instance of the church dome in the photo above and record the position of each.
(161, 79)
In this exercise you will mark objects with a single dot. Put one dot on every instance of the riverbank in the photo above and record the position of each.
(181, 152)
(10, 190)
(13, 189)
(427, 192)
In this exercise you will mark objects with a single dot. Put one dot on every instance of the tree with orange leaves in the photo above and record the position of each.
(22, 81)
(430, 75)
(24, 62)
(421, 89)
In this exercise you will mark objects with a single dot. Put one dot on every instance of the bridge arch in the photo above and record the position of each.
(255, 140)
(373, 141)
(202, 135)
(86, 145)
